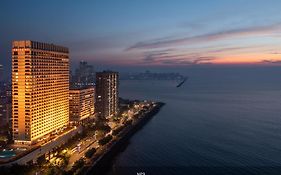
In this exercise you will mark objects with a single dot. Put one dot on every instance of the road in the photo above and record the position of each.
(90, 142)
(86, 144)
(44, 148)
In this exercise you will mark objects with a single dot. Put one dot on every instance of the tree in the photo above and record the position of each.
(129, 122)
(51, 171)
(117, 131)
(105, 140)
(90, 153)
(105, 128)
(19, 169)
(41, 160)
(78, 164)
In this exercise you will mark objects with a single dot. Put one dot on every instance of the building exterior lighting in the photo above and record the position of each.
(107, 93)
(40, 87)
(81, 101)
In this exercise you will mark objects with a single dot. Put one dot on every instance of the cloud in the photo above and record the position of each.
(187, 61)
(203, 59)
(156, 54)
(276, 53)
(247, 31)
(269, 61)
(227, 49)
(195, 25)
(167, 57)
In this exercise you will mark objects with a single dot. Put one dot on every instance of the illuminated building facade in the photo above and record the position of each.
(81, 103)
(40, 87)
(107, 93)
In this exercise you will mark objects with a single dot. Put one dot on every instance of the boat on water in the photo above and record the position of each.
(182, 82)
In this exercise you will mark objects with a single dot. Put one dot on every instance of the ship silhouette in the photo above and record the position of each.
(182, 82)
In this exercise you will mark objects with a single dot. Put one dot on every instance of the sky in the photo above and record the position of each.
(143, 33)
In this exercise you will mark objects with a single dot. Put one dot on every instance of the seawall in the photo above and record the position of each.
(103, 163)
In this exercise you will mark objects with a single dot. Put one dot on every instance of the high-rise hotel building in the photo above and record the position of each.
(40, 87)
(107, 93)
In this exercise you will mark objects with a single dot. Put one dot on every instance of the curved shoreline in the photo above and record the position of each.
(103, 162)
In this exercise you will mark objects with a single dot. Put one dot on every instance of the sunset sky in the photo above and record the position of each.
(148, 32)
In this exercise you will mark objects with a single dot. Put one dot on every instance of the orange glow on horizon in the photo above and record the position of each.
(247, 59)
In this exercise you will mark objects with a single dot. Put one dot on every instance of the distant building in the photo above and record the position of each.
(1, 73)
(84, 75)
(3, 106)
(81, 103)
(107, 93)
(9, 107)
(40, 87)
(147, 75)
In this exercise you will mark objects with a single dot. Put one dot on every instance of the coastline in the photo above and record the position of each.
(101, 163)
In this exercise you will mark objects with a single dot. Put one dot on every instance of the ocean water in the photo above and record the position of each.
(221, 121)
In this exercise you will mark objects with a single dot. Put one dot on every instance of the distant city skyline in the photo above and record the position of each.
(148, 33)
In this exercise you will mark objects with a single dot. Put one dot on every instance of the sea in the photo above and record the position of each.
(222, 120)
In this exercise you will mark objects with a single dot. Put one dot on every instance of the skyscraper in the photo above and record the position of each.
(40, 86)
(81, 103)
(84, 75)
(107, 93)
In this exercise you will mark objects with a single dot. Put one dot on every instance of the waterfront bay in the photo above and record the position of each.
(221, 117)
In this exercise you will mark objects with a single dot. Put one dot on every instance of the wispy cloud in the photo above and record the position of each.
(185, 61)
(276, 53)
(167, 57)
(198, 25)
(241, 32)
(269, 61)
(227, 49)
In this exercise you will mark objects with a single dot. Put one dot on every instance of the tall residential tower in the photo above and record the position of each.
(106, 93)
(40, 87)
